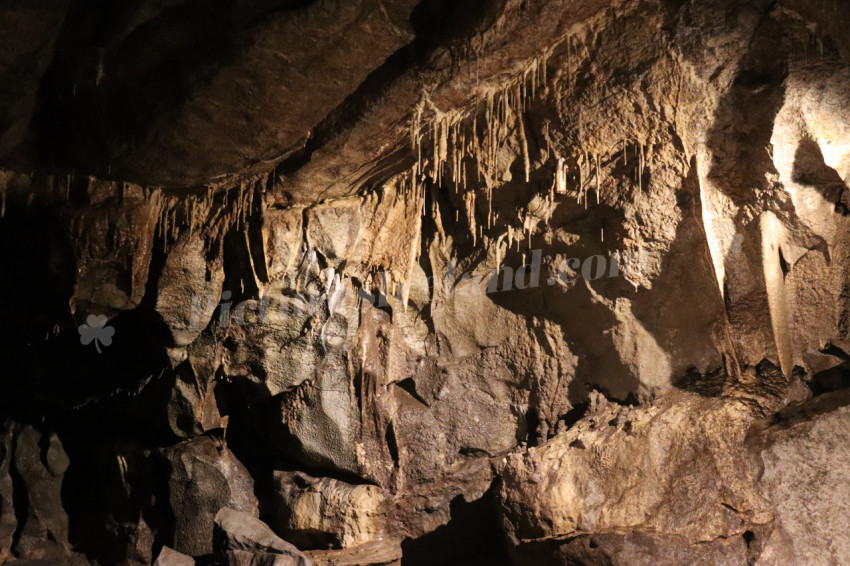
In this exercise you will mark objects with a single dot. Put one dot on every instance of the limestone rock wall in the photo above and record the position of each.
(499, 282)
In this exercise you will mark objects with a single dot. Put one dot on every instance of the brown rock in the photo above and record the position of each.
(204, 478)
(8, 522)
(170, 557)
(376, 553)
(239, 531)
(40, 462)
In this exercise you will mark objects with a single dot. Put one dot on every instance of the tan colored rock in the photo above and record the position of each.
(170, 557)
(377, 553)
(672, 468)
(334, 229)
(314, 512)
(802, 462)
(282, 239)
(708, 138)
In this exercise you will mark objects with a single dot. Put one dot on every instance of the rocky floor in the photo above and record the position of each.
(419, 282)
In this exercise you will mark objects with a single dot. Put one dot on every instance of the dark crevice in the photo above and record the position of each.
(409, 385)
(392, 443)
(472, 537)
(574, 415)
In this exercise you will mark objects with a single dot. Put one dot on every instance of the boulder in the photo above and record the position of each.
(204, 478)
(322, 512)
(670, 468)
(170, 557)
(801, 458)
(247, 540)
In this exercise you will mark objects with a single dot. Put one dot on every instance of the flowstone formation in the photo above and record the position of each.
(502, 282)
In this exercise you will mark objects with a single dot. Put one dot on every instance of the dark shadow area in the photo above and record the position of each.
(811, 170)
(117, 69)
(473, 537)
(711, 384)
(577, 551)
(832, 379)
(684, 309)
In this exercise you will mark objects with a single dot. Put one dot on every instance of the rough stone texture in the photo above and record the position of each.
(8, 521)
(548, 268)
(670, 468)
(170, 557)
(313, 512)
(167, 105)
(377, 553)
(114, 246)
(237, 530)
(187, 278)
(205, 477)
(40, 462)
(802, 461)
(637, 548)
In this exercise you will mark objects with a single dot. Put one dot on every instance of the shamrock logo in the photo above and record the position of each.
(95, 330)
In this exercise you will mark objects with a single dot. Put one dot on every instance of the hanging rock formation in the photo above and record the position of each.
(501, 282)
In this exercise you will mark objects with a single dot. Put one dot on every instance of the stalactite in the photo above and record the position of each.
(640, 171)
(562, 176)
(598, 180)
(469, 205)
(489, 207)
(524, 146)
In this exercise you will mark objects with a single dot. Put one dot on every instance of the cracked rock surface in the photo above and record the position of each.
(417, 282)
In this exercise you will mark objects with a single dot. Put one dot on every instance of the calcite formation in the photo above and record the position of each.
(382, 282)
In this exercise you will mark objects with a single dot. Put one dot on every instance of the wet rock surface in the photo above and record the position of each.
(416, 282)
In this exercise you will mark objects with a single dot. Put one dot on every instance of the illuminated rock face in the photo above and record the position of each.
(502, 282)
